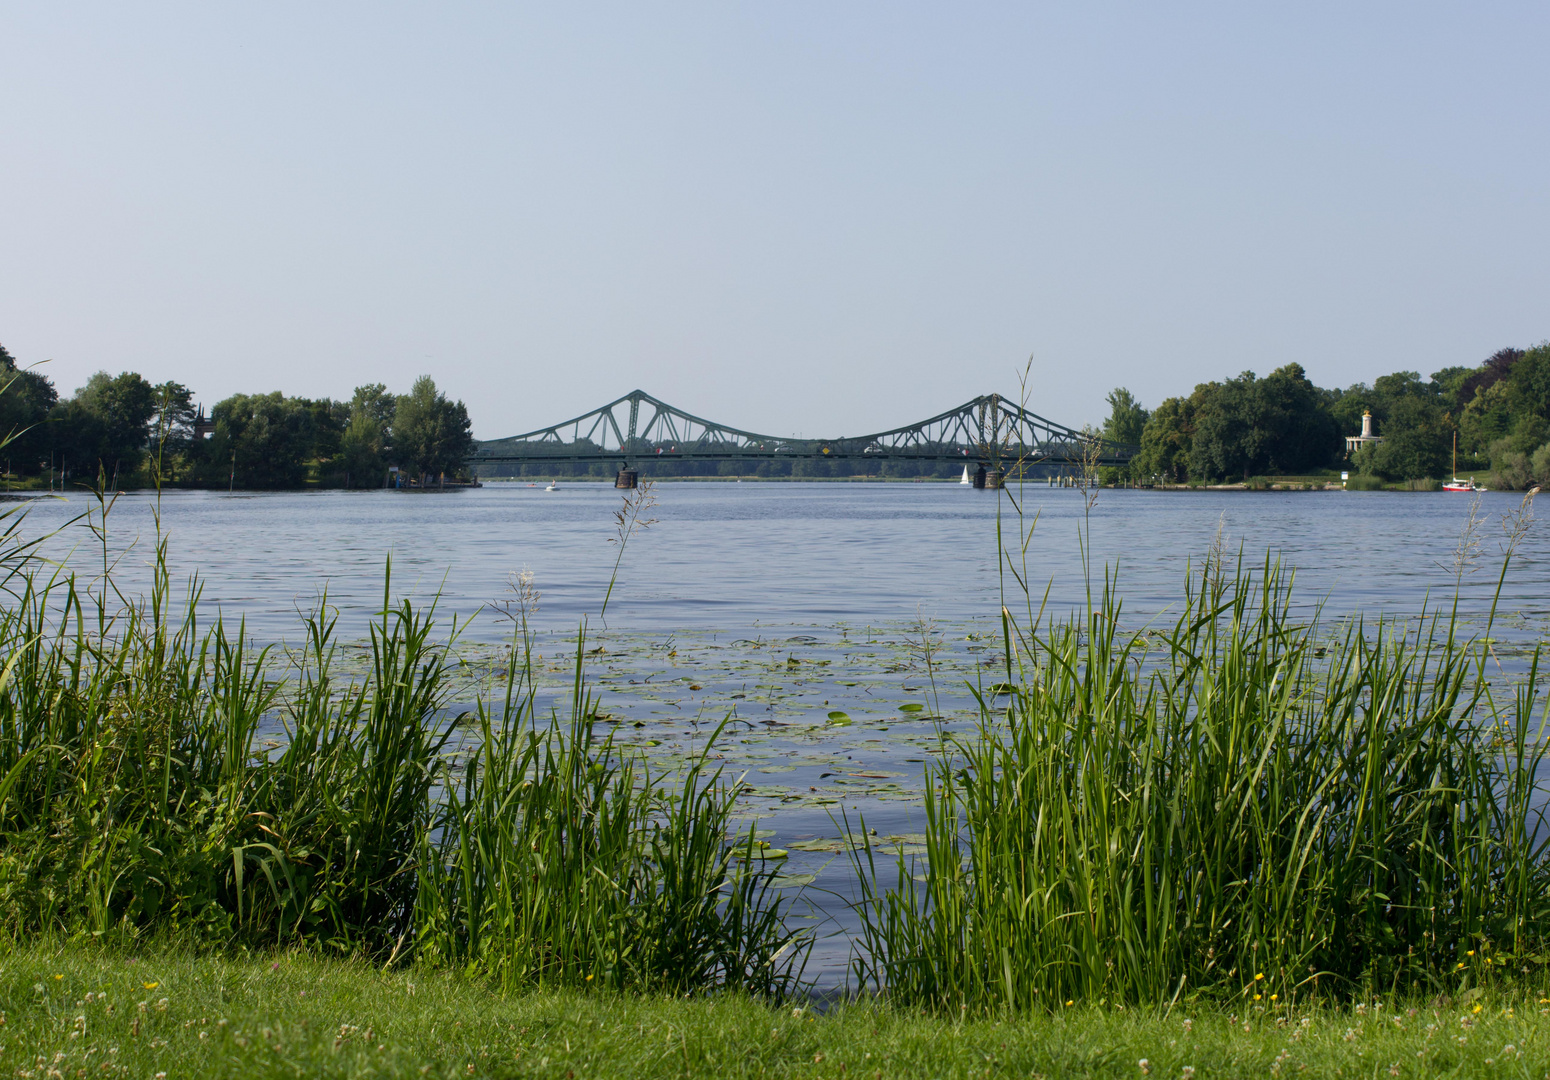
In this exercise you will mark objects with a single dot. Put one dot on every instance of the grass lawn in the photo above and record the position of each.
(77, 1012)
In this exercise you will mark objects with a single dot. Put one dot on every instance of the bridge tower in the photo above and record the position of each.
(627, 478)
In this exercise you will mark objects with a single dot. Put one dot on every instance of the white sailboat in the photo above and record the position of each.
(1456, 484)
(966, 481)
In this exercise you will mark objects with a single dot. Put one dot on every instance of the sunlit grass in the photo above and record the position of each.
(84, 1011)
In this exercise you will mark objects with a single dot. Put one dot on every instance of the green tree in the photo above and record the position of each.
(1250, 426)
(261, 441)
(1219, 447)
(374, 402)
(172, 428)
(1127, 419)
(105, 426)
(1166, 442)
(363, 445)
(431, 435)
(329, 419)
(1416, 442)
(26, 399)
(1412, 418)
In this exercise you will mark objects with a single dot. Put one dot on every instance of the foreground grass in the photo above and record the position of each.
(77, 1012)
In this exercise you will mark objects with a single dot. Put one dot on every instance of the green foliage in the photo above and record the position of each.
(431, 435)
(1508, 415)
(1276, 425)
(261, 441)
(562, 861)
(1238, 813)
(1127, 419)
(1411, 417)
(173, 444)
(366, 435)
(1283, 424)
(1166, 440)
(26, 401)
(137, 801)
(105, 427)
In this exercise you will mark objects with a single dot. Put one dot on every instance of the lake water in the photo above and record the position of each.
(745, 557)
(839, 625)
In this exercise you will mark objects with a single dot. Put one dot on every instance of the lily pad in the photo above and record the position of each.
(768, 854)
(792, 881)
(913, 706)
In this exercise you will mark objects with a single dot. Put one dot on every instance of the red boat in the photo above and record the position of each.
(1456, 484)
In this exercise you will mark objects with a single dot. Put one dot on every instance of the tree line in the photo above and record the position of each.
(123, 430)
(1497, 414)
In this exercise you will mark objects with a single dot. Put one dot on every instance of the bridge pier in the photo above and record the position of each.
(988, 479)
(627, 479)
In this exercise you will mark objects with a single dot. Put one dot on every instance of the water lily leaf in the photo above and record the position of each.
(792, 881)
(913, 706)
(768, 854)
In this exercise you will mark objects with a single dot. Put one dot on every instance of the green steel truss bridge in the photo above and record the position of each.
(638, 428)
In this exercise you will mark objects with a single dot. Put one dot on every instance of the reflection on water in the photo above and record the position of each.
(839, 628)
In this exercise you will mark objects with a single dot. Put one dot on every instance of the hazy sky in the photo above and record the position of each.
(805, 218)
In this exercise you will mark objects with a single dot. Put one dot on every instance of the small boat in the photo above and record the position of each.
(966, 481)
(554, 485)
(1456, 484)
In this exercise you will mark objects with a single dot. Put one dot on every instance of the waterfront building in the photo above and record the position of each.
(1353, 443)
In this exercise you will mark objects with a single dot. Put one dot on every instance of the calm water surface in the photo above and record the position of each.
(805, 612)
(741, 557)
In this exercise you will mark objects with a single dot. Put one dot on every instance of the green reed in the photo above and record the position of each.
(1233, 805)
(159, 779)
(561, 859)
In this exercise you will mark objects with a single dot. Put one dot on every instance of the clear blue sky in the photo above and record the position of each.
(796, 217)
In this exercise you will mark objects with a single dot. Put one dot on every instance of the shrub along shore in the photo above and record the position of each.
(1238, 815)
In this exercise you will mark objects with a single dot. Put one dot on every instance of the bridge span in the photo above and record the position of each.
(637, 429)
